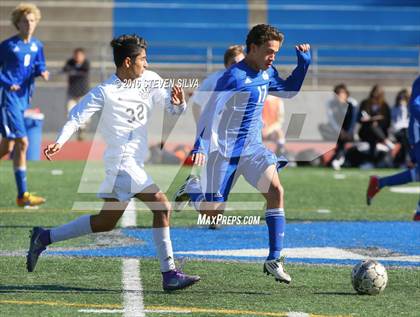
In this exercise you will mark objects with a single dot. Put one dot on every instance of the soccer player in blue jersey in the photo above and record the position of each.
(409, 175)
(21, 60)
(238, 100)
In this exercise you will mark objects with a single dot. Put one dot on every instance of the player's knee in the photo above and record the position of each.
(22, 144)
(162, 203)
(160, 197)
(7, 149)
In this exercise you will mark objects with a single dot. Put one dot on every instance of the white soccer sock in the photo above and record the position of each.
(163, 245)
(76, 228)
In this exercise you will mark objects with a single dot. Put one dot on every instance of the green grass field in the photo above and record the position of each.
(63, 286)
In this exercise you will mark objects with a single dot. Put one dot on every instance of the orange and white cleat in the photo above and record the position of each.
(30, 200)
(373, 189)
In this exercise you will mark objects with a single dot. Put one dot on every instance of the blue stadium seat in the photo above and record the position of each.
(181, 30)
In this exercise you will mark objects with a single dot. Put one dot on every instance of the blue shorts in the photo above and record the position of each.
(222, 172)
(415, 154)
(12, 123)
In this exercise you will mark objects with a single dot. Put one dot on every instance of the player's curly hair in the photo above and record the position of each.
(262, 33)
(127, 45)
(24, 9)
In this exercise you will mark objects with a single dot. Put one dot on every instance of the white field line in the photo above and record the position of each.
(303, 253)
(297, 314)
(405, 189)
(133, 290)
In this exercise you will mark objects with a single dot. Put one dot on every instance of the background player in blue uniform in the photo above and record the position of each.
(238, 99)
(21, 60)
(410, 175)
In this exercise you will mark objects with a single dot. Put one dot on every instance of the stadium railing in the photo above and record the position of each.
(198, 59)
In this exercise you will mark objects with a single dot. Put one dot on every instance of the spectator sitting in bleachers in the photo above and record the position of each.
(375, 120)
(399, 121)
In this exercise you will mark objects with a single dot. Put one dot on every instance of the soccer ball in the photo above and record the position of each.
(369, 277)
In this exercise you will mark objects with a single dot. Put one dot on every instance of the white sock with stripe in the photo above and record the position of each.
(79, 227)
(163, 244)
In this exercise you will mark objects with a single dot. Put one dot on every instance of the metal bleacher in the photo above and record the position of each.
(359, 39)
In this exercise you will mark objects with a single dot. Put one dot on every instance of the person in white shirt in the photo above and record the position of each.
(126, 100)
(400, 118)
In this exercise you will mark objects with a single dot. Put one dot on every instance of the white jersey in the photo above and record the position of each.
(201, 97)
(125, 110)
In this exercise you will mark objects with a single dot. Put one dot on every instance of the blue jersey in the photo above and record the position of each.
(414, 106)
(239, 99)
(20, 63)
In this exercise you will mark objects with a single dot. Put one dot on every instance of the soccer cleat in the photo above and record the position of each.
(29, 200)
(176, 279)
(416, 216)
(35, 248)
(373, 189)
(181, 197)
(275, 268)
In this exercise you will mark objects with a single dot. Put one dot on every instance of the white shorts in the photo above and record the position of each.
(125, 183)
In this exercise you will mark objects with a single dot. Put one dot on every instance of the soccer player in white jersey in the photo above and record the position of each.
(233, 55)
(126, 100)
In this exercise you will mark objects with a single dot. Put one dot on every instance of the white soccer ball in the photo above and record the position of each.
(369, 277)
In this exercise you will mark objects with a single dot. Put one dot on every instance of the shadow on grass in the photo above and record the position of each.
(207, 292)
(4, 289)
(337, 293)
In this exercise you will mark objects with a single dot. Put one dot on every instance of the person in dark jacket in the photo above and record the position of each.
(77, 69)
(375, 120)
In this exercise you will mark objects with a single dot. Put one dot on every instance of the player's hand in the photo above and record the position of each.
(177, 95)
(198, 159)
(51, 150)
(45, 75)
(14, 87)
(303, 52)
(303, 47)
